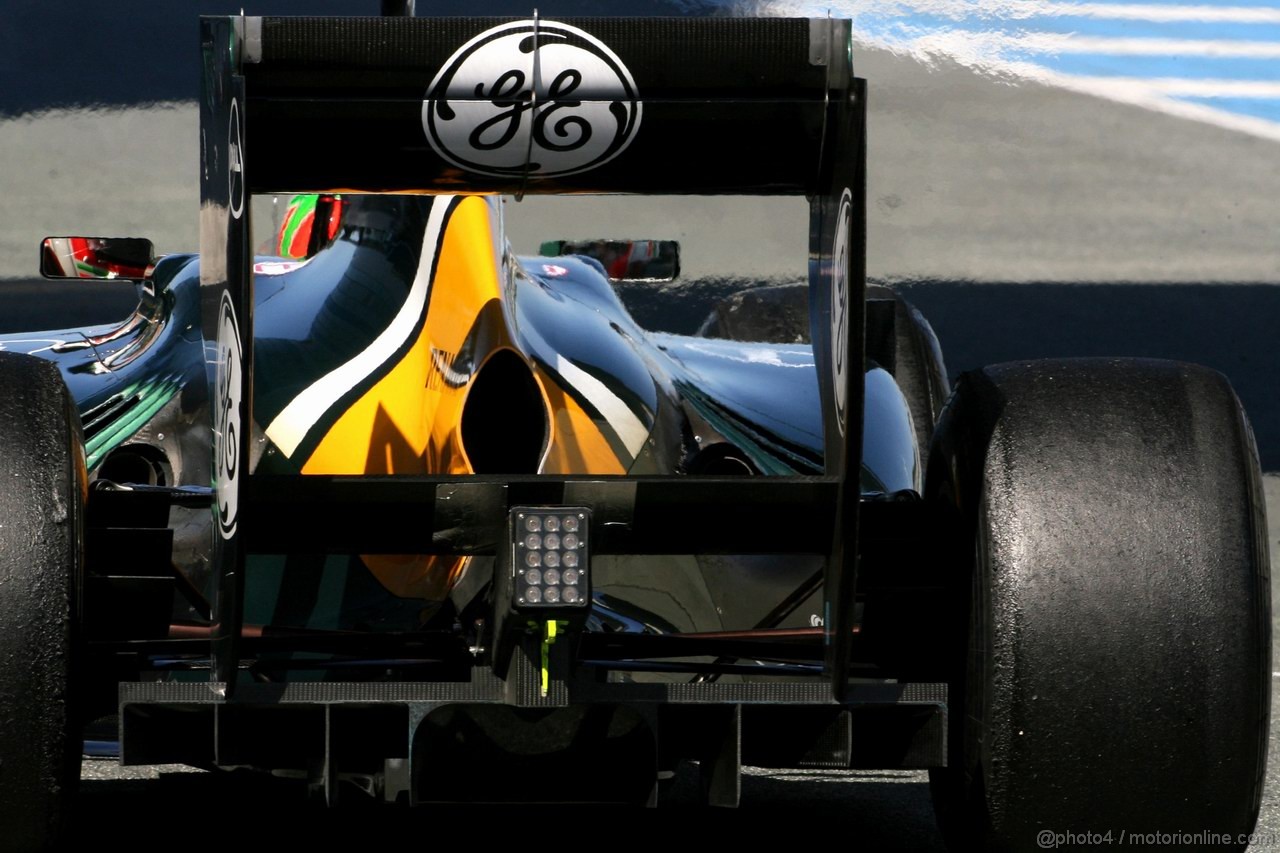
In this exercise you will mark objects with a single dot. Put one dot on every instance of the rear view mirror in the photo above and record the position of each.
(625, 260)
(96, 257)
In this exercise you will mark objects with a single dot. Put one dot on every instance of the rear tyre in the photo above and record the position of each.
(42, 492)
(1111, 672)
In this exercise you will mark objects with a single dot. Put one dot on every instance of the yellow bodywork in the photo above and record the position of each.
(410, 421)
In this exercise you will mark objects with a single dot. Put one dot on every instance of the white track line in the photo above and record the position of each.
(1141, 93)
(989, 52)
(1186, 87)
(1012, 10)
(986, 56)
(998, 44)
(1164, 14)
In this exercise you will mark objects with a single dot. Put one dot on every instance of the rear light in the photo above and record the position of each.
(551, 558)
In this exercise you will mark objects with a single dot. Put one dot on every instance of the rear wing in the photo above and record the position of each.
(696, 106)
(570, 105)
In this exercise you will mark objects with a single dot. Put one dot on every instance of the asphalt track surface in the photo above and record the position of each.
(1024, 220)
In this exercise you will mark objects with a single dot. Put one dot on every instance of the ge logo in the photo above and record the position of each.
(514, 102)
(228, 386)
(235, 162)
(840, 307)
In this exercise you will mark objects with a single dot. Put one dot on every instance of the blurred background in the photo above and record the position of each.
(1045, 178)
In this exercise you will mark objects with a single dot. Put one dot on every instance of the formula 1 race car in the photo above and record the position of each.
(401, 513)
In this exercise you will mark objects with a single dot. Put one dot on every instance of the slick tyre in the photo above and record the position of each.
(42, 493)
(1111, 666)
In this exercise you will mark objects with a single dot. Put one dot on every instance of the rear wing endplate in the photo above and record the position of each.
(570, 105)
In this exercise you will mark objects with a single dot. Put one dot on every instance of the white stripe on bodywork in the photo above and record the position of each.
(629, 428)
(754, 354)
(291, 426)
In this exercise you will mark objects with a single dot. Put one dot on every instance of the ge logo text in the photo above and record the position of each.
(513, 102)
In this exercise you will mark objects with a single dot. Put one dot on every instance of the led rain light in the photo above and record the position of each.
(550, 558)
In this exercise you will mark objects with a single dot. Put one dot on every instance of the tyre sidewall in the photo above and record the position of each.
(43, 470)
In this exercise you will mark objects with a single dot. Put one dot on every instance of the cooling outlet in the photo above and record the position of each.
(139, 464)
(504, 421)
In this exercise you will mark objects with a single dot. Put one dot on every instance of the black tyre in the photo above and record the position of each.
(1112, 668)
(900, 340)
(42, 470)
